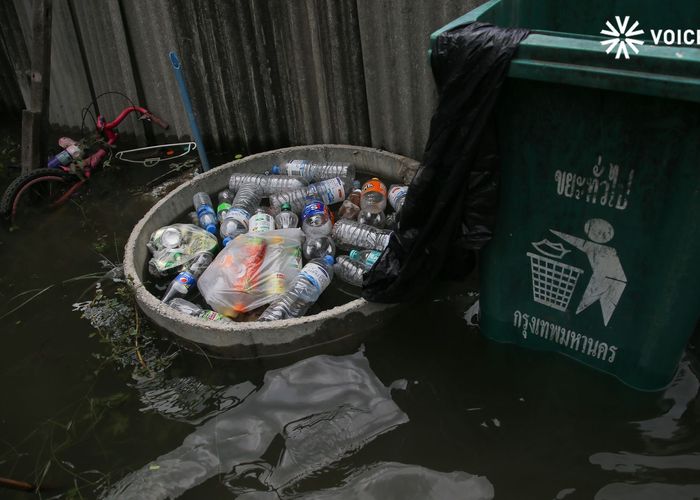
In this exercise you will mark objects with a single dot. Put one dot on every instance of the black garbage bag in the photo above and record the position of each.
(450, 207)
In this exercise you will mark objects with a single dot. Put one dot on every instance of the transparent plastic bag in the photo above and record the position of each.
(252, 270)
(174, 246)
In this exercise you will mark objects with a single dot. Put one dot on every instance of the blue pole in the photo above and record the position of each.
(185, 96)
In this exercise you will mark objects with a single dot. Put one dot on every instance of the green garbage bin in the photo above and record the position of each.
(596, 253)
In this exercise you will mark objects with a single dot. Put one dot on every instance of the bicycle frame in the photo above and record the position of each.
(109, 132)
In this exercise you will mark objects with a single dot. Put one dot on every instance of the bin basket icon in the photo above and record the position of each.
(553, 282)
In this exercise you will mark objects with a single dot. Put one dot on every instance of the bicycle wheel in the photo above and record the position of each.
(38, 190)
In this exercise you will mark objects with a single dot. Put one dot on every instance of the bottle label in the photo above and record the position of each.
(374, 185)
(186, 280)
(397, 193)
(296, 167)
(313, 208)
(259, 223)
(330, 191)
(222, 207)
(276, 284)
(372, 257)
(202, 210)
(211, 315)
(316, 275)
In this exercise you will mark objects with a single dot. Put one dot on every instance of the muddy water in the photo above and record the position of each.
(425, 409)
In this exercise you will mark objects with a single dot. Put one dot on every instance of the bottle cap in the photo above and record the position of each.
(275, 169)
(329, 260)
(354, 254)
(286, 206)
(227, 240)
(211, 228)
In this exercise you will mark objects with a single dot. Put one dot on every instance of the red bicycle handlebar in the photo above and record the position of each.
(125, 112)
(161, 123)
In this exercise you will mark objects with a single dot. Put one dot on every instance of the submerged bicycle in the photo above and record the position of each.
(64, 174)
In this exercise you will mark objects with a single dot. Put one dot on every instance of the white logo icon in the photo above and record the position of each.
(553, 282)
(622, 37)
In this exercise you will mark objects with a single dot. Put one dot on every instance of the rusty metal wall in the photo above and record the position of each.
(261, 73)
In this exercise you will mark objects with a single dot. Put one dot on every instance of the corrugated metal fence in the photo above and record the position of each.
(262, 74)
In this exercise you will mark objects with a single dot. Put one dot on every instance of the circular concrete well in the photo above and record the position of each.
(342, 324)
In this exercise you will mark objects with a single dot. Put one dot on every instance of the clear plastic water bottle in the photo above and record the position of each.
(318, 247)
(373, 197)
(316, 220)
(261, 221)
(315, 171)
(303, 292)
(187, 307)
(182, 283)
(286, 218)
(245, 202)
(328, 192)
(270, 184)
(367, 258)
(349, 234)
(349, 270)
(397, 195)
(225, 199)
(376, 219)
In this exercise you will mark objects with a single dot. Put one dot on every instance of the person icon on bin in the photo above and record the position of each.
(608, 280)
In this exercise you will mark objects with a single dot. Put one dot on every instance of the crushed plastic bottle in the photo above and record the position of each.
(348, 270)
(245, 202)
(316, 220)
(315, 171)
(187, 307)
(303, 292)
(205, 212)
(349, 234)
(225, 199)
(397, 195)
(318, 247)
(182, 283)
(286, 218)
(173, 247)
(261, 221)
(373, 197)
(270, 184)
(327, 192)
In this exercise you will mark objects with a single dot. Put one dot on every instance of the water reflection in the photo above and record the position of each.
(395, 481)
(303, 418)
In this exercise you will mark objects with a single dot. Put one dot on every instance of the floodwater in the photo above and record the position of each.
(424, 409)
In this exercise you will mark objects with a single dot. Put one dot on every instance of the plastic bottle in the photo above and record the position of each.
(205, 212)
(261, 221)
(276, 252)
(365, 257)
(225, 199)
(286, 218)
(315, 171)
(376, 219)
(182, 283)
(349, 234)
(373, 197)
(397, 195)
(349, 270)
(303, 292)
(316, 220)
(327, 192)
(187, 307)
(318, 247)
(390, 221)
(351, 206)
(71, 151)
(244, 204)
(270, 184)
